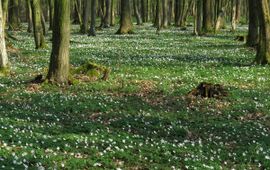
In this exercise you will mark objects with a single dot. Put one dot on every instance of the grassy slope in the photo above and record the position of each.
(140, 118)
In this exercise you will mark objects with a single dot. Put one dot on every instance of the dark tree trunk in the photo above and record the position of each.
(165, 13)
(59, 60)
(85, 22)
(253, 26)
(108, 5)
(92, 31)
(207, 16)
(29, 16)
(77, 12)
(125, 18)
(13, 15)
(263, 52)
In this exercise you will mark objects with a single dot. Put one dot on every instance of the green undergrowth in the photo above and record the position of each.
(140, 118)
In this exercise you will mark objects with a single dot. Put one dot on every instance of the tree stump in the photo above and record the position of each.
(209, 90)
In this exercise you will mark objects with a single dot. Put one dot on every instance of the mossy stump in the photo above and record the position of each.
(89, 72)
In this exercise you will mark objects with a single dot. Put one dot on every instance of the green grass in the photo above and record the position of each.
(140, 118)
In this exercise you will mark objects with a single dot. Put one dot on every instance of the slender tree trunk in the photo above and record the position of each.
(107, 14)
(13, 15)
(180, 7)
(77, 12)
(51, 15)
(37, 23)
(263, 52)
(207, 16)
(165, 13)
(125, 18)
(113, 4)
(233, 20)
(29, 16)
(43, 23)
(3, 51)
(136, 11)
(85, 22)
(59, 61)
(220, 21)
(238, 11)
(199, 13)
(253, 26)
(170, 12)
(5, 12)
(92, 31)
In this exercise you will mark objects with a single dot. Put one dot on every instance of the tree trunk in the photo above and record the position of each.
(125, 18)
(263, 52)
(59, 60)
(180, 7)
(85, 22)
(106, 21)
(3, 51)
(112, 22)
(233, 20)
(37, 23)
(253, 26)
(5, 12)
(220, 21)
(13, 15)
(238, 11)
(136, 11)
(92, 31)
(77, 12)
(207, 16)
(51, 11)
(198, 20)
(170, 12)
(29, 16)
(164, 13)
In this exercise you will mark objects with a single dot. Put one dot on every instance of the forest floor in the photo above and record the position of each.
(141, 117)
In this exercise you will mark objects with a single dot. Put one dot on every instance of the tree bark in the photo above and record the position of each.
(164, 13)
(113, 4)
(37, 24)
(125, 18)
(233, 20)
(13, 15)
(136, 11)
(59, 60)
(263, 52)
(220, 20)
(85, 22)
(51, 13)
(29, 16)
(207, 16)
(92, 31)
(5, 11)
(106, 23)
(3, 51)
(77, 12)
(253, 26)
(198, 20)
